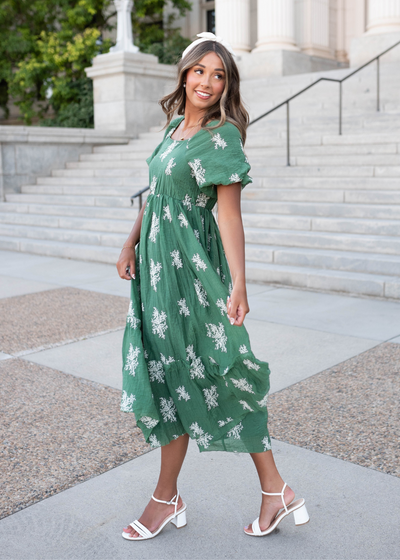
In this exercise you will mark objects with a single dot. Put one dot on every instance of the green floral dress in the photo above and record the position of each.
(186, 369)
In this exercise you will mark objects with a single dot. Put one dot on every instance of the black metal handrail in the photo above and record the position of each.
(287, 101)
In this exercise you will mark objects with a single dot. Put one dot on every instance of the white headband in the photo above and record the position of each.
(205, 36)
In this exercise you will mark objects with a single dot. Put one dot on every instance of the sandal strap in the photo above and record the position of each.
(141, 529)
(170, 503)
(256, 527)
(278, 494)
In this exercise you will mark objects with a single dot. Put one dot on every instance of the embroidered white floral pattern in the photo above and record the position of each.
(132, 361)
(263, 401)
(187, 201)
(183, 220)
(217, 332)
(168, 360)
(202, 200)
(127, 402)
(222, 423)
(156, 371)
(197, 367)
(243, 385)
(198, 172)
(246, 406)
(168, 409)
(154, 441)
(201, 293)
(222, 306)
(235, 431)
(131, 319)
(197, 235)
(170, 166)
(176, 259)
(155, 274)
(251, 365)
(159, 322)
(219, 141)
(150, 423)
(183, 394)
(200, 264)
(167, 213)
(234, 178)
(243, 349)
(155, 227)
(211, 396)
(153, 185)
(203, 438)
(246, 159)
(168, 150)
(266, 443)
(183, 308)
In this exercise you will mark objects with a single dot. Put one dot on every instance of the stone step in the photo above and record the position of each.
(323, 240)
(107, 201)
(324, 280)
(312, 171)
(333, 225)
(320, 195)
(137, 154)
(67, 222)
(83, 173)
(106, 165)
(345, 160)
(76, 211)
(79, 191)
(370, 263)
(334, 183)
(50, 248)
(323, 209)
(83, 237)
(322, 150)
(134, 182)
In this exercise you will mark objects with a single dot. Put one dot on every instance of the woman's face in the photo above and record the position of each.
(205, 82)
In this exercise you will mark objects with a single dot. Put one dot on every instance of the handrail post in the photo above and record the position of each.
(140, 202)
(377, 84)
(287, 134)
(340, 108)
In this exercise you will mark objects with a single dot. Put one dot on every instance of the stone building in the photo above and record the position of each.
(280, 37)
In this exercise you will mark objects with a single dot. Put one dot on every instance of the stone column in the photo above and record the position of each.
(312, 23)
(128, 84)
(124, 27)
(275, 25)
(383, 31)
(232, 19)
(383, 16)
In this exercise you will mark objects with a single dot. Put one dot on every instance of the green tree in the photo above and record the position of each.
(45, 47)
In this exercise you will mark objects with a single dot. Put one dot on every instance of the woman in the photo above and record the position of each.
(188, 367)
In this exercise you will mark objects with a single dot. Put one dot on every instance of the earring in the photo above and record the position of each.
(184, 84)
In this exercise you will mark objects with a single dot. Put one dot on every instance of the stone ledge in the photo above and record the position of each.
(41, 134)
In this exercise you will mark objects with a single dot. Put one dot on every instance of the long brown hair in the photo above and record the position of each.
(229, 107)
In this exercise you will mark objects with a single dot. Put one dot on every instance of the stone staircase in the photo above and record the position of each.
(330, 221)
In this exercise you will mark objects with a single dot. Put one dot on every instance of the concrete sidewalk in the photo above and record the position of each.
(355, 511)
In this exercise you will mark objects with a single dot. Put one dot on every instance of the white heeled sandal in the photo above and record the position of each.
(178, 518)
(298, 508)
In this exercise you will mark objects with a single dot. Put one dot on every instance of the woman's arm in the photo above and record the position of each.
(232, 235)
(127, 256)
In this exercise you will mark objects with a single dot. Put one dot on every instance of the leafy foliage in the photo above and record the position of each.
(45, 47)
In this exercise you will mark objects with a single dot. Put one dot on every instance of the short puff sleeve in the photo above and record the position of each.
(222, 160)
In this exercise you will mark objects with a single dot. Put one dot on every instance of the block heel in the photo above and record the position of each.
(301, 516)
(180, 520)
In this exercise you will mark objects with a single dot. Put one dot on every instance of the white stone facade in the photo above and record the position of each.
(323, 29)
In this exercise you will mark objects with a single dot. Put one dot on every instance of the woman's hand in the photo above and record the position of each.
(237, 306)
(127, 259)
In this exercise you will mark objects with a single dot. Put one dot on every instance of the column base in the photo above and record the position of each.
(126, 90)
(367, 46)
(283, 63)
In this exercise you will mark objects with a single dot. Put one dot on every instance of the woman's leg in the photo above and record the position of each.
(271, 481)
(172, 457)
